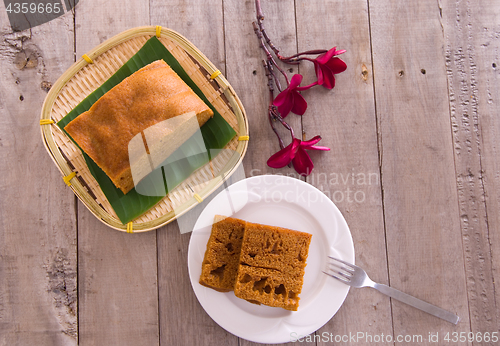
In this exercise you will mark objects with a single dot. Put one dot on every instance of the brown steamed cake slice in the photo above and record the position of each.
(150, 95)
(272, 264)
(221, 261)
(269, 287)
(274, 247)
(263, 264)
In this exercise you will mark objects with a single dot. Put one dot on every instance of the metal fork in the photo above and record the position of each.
(354, 276)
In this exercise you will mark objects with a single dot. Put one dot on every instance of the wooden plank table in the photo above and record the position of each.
(418, 109)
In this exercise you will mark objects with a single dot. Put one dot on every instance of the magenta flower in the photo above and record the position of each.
(290, 100)
(296, 153)
(327, 65)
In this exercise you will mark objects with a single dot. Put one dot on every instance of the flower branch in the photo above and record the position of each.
(290, 100)
(270, 59)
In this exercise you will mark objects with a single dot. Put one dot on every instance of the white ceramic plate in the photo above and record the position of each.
(286, 202)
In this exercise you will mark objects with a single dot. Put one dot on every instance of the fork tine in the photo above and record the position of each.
(344, 275)
(343, 279)
(349, 265)
(340, 270)
(340, 266)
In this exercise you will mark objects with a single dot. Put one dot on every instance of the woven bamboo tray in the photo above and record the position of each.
(93, 69)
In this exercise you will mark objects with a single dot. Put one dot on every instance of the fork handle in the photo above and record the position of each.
(417, 303)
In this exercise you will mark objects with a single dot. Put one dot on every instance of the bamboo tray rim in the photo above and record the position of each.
(62, 164)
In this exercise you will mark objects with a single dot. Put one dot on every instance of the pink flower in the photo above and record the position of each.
(327, 65)
(296, 153)
(290, 100)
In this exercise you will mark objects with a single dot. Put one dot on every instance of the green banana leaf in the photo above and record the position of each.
(216, 133)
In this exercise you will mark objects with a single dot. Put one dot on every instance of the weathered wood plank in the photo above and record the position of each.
(118, 293)
(182, 319)
(201, 24)
(246, 74)
(349, 173)
(472, 47)
(38, 263)
(424, 242)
